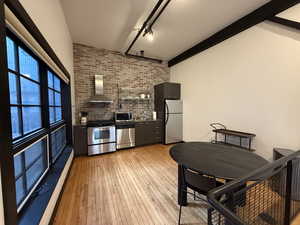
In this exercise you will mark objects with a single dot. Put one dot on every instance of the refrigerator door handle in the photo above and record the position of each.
(167, 112)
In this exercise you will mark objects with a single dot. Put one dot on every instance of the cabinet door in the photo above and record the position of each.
(148, 133)
(80, 140)
(171, 91)
(140, 134)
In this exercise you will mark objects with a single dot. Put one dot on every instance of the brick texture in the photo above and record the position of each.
(134, 76)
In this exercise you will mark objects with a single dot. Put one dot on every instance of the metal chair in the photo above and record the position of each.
(198, 183)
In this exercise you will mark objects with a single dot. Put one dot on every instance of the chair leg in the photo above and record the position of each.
(179, 215)
(194, 196)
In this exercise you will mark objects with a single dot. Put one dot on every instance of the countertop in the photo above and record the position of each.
(126, 122)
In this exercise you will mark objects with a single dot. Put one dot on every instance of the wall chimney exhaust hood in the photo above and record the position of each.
(99, 94)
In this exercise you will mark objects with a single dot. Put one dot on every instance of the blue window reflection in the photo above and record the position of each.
(58, 142)
(31, 119)
(11, 56)
(30, 165)
(51, 97)
(50, 80)
(28, 65)
(57, 99)
(56, 83)
(13, 90)
(15, 122)
(30, 92)
(58, 114)
(52, 114)
(20, 191)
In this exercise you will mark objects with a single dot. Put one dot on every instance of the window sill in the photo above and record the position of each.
(36, 206)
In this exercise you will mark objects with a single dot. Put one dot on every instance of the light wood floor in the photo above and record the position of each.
(129, 187)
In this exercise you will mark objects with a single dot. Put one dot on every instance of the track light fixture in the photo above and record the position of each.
(149, 34)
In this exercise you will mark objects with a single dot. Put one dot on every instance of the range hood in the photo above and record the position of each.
(99, 95)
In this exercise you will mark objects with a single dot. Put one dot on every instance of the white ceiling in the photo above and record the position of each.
(111, 24)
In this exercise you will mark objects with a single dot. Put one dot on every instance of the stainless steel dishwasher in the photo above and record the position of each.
(125, 135)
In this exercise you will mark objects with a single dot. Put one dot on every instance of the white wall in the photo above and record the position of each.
(49, 18)
(250, 82)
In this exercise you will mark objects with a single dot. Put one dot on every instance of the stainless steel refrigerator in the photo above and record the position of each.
(173, 121)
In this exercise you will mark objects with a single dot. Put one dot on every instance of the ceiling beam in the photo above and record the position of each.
(266, 11)
(285, 22)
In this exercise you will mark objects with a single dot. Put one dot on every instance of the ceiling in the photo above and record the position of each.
(112, 24)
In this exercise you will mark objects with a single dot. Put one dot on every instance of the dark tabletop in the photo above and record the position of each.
(221, 161)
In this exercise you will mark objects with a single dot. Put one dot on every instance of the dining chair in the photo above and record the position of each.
(198, 183)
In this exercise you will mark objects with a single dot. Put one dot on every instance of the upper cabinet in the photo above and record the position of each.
(168, 90)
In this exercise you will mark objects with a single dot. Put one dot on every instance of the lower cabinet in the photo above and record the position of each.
(147, 133)
(80, 140)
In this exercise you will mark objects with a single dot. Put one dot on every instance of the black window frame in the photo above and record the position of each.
(21, 143)
(56, 122)
(19, 44)
(31, 190)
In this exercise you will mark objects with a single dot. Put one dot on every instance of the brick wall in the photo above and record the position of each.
(133, 75)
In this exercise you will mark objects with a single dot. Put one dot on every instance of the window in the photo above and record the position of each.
(31, 164)
(30, 84)
(58, 142)
(25, 90)
(54, 95)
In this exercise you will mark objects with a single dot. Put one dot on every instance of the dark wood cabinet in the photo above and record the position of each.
(80, 140)
(148, 132)
(164, 91)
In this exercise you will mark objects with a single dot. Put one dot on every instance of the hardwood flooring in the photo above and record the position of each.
(130, 187)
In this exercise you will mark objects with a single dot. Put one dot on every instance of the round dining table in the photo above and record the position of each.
(219, 160)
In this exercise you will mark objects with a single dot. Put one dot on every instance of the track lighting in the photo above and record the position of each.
(150, 35)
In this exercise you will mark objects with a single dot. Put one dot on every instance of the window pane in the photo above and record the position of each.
(28, 65)
(18, 165)
(15, 122)
(37, 157)
(35, 172)
(30, 92)
(11, 59)
(51, 97)
(31, 119)
(56, 83)
(13, 88)
(20, 190)
(33, 153)
(58, 114)
(51, 114)
(57, 99)
(50, 80)
(58, 142)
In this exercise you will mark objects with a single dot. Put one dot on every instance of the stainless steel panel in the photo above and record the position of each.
(102, 148)
(125, 138)
(98, 84)
(98, 135)
(174, 106)
(174, 128)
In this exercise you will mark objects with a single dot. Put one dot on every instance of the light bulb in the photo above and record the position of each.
(150, 36)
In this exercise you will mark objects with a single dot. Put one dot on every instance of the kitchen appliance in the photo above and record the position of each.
(99, 96)
(125, 130)
(123, 116)
(173, 121)
(125, 135)
(101, 136)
